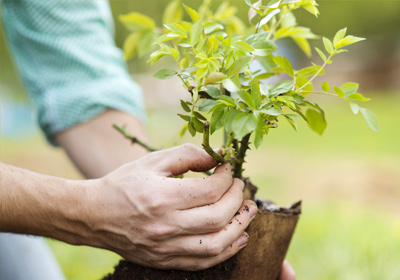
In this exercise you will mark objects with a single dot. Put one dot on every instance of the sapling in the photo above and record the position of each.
(213, 52)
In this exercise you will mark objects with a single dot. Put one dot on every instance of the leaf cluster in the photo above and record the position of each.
(213, 51)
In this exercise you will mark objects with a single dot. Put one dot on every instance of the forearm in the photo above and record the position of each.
(97, 148)
(38, 204)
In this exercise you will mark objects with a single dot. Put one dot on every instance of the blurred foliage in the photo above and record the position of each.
(377, 21)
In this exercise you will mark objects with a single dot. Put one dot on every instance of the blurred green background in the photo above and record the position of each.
(348, 179)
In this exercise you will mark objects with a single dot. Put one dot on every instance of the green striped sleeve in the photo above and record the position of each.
(68, 61)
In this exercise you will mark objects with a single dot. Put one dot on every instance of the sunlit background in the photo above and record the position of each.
(348, 179)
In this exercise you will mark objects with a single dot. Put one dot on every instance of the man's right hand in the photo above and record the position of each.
(148, 217)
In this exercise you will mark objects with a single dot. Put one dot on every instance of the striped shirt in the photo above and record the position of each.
(65, 53)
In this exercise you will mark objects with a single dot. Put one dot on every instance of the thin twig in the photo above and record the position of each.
(133, 139)
(206, 145)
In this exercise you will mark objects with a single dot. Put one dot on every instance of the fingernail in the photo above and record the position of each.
(253, 211)
(243, 240)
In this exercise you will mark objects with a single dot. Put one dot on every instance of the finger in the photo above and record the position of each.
(196, 192)
(201, 263)
(287, 272)
(213, 217)
(212, 244)
(179, 160)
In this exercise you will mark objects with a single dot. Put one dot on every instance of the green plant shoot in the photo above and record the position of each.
(213, 51)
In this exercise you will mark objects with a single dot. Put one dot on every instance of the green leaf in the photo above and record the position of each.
(273, 111)
(288, 67)
(229, 119)
(213, 78)
(248, 2)
(183, 130)
(184, 117)
(230, 85)
(355, 108)
(325, 87)
(348, 40)
(173, 12)
(165, 74)
(210, 27)
(328, 45)
(258, 133)
(130, 45)
(281, 87)
(349, 88)
(255, 38)
(227, 100)
(199, 116)
(198, 125)
(316, 121)
(207, 105)
(358, 96)
(213, 91)
(310, 71)
(321, 54)
(175, 27)
(185, 106)
(273, 4)
(256, 93)
(145, 42)
(339, 36)
(291, 122)
(191, 128)
(137, 22)
(246, 97)
(243, 46)
(243, 124)
(338, 91)
(217, 119)
(192, 13)
(239, 65)
(371, 119)
(303, 44)
(264, 48)
(195, 32)
(268, 17)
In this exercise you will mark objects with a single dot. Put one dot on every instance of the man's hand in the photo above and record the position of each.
(144, 214)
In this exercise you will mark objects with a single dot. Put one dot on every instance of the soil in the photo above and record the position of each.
(130, 271)
(272, 228)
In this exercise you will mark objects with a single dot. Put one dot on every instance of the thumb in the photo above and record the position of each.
(181, 159)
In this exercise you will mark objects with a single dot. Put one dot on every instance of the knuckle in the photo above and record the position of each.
(212, 195)
(154, 204)
(161, 250)
(189, 147)
(214, 250)
(158, 232)
(238, 182)
(217, 222)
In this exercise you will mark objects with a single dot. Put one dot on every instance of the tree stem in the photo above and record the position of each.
(238, 167)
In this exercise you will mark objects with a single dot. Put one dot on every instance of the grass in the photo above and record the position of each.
(348, 181)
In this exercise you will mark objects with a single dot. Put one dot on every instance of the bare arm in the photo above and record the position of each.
(97, 148)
